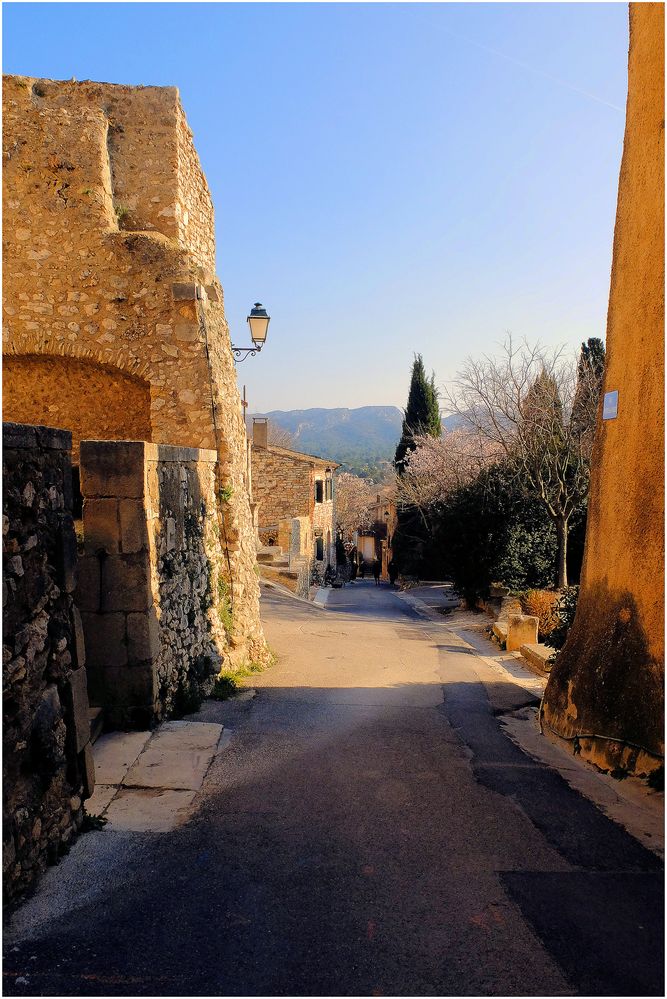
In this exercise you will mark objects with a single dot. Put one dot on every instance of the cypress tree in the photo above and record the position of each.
(422, 413)
(592, 355)
(590, 373)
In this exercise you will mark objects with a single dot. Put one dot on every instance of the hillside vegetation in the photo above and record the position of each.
(362, 440)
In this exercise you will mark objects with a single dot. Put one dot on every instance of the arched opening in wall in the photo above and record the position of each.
(94, 401)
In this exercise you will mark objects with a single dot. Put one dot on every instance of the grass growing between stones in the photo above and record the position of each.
(224, 606)
(92, 823)
(227, 682)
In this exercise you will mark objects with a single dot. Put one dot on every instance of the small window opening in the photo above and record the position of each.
(319, 491)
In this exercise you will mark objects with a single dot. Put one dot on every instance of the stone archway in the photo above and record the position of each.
(94, 401)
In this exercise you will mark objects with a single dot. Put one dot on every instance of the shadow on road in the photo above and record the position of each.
(361, 841)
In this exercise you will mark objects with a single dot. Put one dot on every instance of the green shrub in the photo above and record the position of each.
(565, 611)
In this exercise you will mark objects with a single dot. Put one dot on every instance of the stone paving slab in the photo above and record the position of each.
(155, 810)
(169, 768)
(101, 798)
(186, 735)
(115, 753)
(147, 782)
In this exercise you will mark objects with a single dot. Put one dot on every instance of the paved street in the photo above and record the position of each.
(367, 828)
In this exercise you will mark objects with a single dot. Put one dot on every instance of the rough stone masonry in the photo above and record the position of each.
(114, 324)
(47, 757)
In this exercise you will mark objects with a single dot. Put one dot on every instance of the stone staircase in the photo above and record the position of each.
(272, 555)
(274, 565)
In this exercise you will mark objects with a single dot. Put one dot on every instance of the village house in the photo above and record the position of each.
(375, 541)
(294, 493)
(114, 332)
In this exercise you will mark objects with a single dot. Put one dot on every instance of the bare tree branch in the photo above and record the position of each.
(536, 408)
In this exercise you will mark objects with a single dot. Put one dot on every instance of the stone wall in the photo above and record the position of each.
(47, 758)
(156, 597)
(281, 485)
(95, 266)
(324, 526)
(609, 678)
(109, 283)
(82, 396)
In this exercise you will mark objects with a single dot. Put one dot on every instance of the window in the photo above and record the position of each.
(328, 491)
(319, 549)
(319, 491)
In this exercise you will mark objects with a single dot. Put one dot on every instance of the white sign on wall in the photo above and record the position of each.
(610, 405)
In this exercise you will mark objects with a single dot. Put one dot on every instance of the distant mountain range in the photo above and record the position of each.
(360, 439)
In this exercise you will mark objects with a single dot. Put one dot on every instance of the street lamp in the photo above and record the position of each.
(258, 321)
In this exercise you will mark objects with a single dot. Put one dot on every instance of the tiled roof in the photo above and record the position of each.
(312, 459)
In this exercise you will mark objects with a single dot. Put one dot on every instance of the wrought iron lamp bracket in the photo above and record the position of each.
(240, 353)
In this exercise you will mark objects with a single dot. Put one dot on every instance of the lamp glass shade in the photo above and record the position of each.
(258, 321)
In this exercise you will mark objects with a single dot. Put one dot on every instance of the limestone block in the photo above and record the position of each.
(133, 528)
(127, 688)
(115, 753)
(143, 636)
(79, 648)
(186, 332)
(100, 526)
(76, 705)
(51, 437)
(184, 292)
(113, 468)
(105, 639)
(521, 630)
(177, 769)
(156, 810)
(87, 769)
(87, 594)
(18, 435)
(126, 584)
(500, 630)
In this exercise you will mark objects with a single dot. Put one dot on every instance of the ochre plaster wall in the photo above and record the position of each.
(609, 677)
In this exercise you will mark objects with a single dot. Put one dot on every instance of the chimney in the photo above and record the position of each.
(260, 432)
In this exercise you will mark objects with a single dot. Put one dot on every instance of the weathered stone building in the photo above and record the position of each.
(609, 678)
(375, 542)
(294, 493)
(114, 329)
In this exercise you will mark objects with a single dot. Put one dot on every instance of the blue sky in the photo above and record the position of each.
(388, 178)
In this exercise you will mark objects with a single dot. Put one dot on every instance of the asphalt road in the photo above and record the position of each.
(368, 830)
